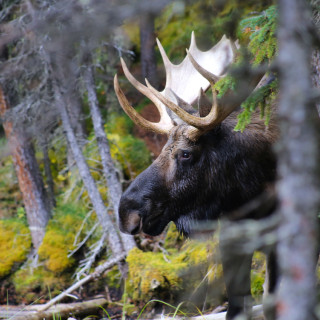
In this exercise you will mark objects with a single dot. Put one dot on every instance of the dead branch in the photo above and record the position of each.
(90, 258)
(96, 274)
(62, 310)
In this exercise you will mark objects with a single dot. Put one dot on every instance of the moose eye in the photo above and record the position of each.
(185, 155)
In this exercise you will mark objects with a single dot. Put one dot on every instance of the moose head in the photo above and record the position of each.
(206, 169)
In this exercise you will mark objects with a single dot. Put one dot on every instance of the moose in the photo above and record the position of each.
(206, 171)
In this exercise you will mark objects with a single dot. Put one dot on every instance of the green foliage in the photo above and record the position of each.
(15, 244)
(122, 125)
(263, 47)
(224, 84)
(130, 152)
(209, 19)
(262, 98)
(262, 38)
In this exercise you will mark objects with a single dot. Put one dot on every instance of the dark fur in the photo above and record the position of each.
(226, 170)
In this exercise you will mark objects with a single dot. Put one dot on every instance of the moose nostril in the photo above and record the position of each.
(133, 225)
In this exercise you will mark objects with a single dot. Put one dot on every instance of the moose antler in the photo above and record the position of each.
(194, 74)
(163, 126)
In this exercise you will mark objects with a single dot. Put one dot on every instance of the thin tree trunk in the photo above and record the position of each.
(93, 192)
(114, 185)
(29, 177)
(147, 44)
(298, 158)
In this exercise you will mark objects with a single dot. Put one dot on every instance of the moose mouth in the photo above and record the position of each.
(151, 225)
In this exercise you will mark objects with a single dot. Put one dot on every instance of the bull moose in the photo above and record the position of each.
(206, 170)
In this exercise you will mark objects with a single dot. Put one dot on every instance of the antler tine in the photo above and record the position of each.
(160, 127)
(167, 63)
(164, 117)
(205, 73)
(145, 91)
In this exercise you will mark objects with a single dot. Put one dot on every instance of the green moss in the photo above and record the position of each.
(15, 243)
(173, 238)
(151, 274)
(32, 284)
(60, 236)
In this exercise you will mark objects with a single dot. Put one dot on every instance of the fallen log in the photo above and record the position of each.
(60, 311)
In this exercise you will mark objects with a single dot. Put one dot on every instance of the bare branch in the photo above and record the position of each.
(96, 274)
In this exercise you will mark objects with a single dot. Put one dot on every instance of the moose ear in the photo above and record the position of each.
(204, 104)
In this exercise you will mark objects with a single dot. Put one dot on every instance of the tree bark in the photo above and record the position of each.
(316, 53)
(147, 44)
(114, 185)
(298, 158)
(29, 177)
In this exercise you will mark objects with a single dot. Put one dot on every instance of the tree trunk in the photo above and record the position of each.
(114, 185)
(316, 53)
(29, 177)
(147, 44)
(298, 158)
(93, 192)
